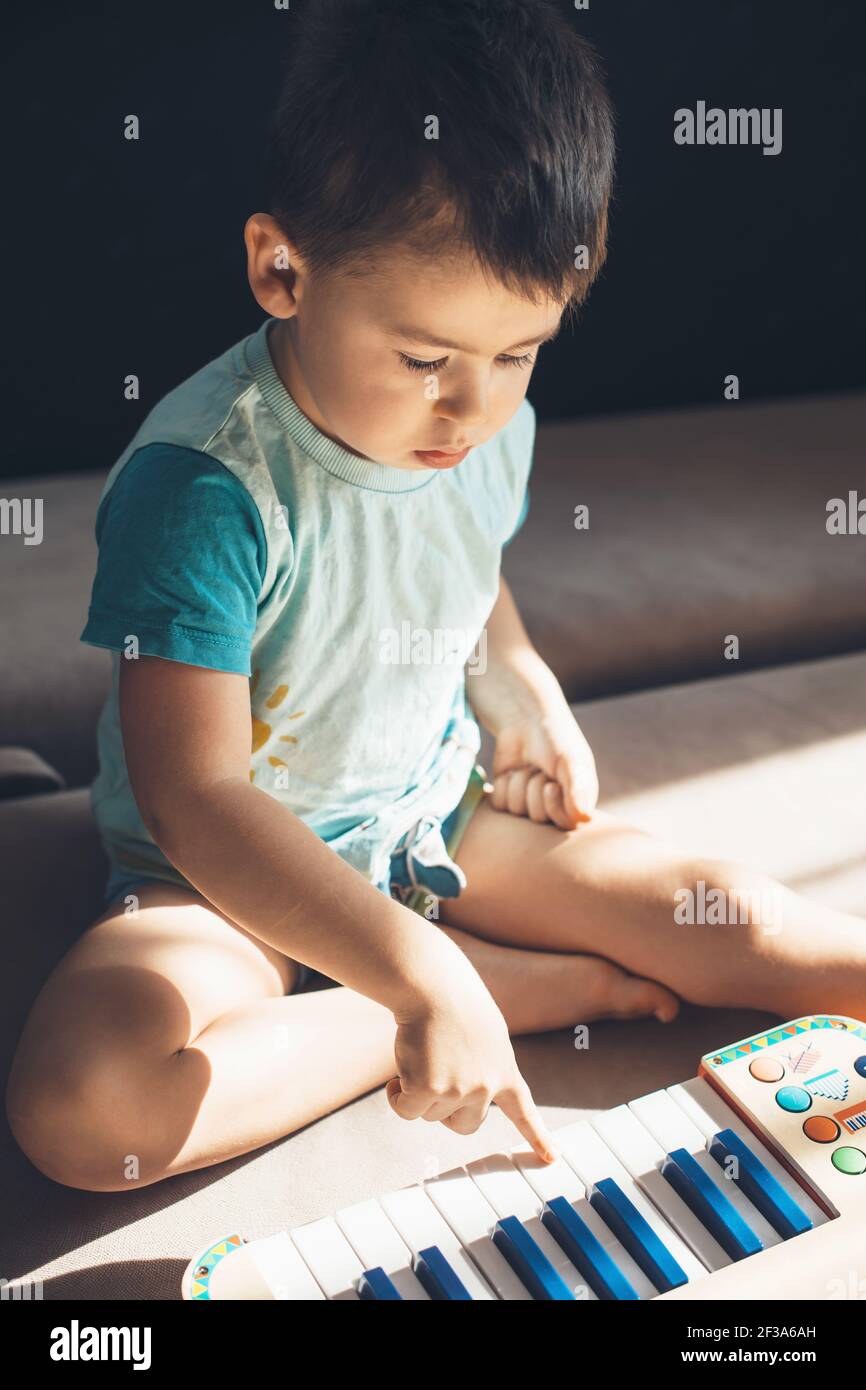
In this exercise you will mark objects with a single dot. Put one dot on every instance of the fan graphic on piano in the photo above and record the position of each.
(832, 1085)
(742, 1182)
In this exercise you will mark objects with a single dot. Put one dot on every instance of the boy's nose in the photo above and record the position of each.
(467, 409)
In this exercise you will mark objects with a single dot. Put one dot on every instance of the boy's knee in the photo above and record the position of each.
(67, 1127)
(720, 893)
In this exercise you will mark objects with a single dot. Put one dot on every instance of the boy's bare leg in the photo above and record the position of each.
(165, 1042)
(609, 888)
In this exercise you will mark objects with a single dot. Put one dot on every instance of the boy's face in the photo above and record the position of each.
(346, 349)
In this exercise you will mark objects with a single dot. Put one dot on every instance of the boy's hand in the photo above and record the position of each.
(455, 1060)
(543, 768)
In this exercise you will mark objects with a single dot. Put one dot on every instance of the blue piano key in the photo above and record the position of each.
(784, 1214)
(710, 1205)
(637, 1235)
(585, 1251)
(437, 1276)
(529, 1261)
(375, 1284)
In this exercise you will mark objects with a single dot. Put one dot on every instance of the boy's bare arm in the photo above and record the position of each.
(516, 684)
(543, 766)
(187, 737)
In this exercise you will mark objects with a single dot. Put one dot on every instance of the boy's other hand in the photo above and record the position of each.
(543, 768)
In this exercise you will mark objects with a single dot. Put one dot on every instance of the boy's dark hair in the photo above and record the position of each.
(521, 171)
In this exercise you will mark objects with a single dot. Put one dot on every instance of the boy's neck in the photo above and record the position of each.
(285, 364)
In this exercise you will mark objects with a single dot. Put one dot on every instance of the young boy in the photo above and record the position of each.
(439, 183)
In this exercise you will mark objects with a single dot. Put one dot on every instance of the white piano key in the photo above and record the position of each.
(547, 1180)
(376, 1241)
(330, 1258)
(560, 1180)
(280, 1265)
(472, 1218)
(673, 1129)
(508, 1192)
(420, 1225)
(593, 1159)
(710, 1113)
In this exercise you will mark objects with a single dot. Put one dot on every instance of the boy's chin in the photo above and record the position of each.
(438, 460)
(409, 460)
(416, 461)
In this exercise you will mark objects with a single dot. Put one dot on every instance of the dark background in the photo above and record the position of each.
(128, 256)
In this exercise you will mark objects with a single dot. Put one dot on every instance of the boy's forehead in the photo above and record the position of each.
(452, 303)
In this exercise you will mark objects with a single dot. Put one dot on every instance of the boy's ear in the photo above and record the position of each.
(274, 265)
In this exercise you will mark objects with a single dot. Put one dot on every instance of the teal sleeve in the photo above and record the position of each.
(182, 558)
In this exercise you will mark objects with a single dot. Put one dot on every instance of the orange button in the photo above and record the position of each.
(821, 1128)
(766, 1069)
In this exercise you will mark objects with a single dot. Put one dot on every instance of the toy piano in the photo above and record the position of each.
(748, 1181)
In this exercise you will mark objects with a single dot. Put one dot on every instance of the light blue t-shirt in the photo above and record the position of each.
(234, 535)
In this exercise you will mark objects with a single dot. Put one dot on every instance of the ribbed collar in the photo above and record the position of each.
(361, 472)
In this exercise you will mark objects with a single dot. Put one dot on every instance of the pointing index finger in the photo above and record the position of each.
(520, 1108)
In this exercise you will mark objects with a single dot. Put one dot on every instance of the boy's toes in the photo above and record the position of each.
(631, 996)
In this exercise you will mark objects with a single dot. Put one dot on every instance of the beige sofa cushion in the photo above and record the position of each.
(702, 523)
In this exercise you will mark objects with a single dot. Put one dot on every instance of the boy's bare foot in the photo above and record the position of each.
(541, 990)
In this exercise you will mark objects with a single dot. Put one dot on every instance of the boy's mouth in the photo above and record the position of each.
(440, 458)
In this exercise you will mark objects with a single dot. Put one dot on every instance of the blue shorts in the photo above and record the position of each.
(122, 882)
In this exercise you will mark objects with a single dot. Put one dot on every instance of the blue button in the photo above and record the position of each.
(860, 1066)
(585, 1251)
(375, 1284)
(637, 1235)
(529, 1261)
(710, 1205)
(437, 1276)
(793, 1098)
(766, 1193)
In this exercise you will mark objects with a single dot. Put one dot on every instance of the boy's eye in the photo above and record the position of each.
(413, 364)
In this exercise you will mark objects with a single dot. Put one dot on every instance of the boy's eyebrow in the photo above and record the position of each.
(420, 335)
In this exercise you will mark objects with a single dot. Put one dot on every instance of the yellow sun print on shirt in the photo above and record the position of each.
(262, 730)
